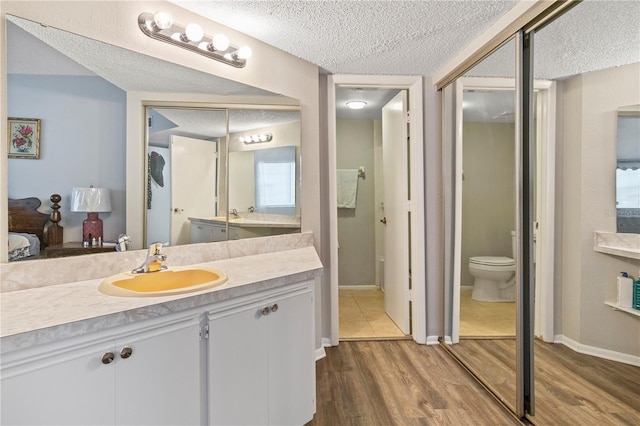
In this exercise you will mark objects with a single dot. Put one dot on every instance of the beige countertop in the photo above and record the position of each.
(243, 222)
(39, 315)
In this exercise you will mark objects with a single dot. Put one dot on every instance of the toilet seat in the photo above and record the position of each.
(492, 261)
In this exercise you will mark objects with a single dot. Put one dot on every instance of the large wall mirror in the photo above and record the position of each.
(628, 170)
(77, 88)
(589, 62)
(218, 174)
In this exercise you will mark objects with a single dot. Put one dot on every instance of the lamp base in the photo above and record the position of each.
(91, 227)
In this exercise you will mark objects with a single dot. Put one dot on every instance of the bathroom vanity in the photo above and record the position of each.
(205, 230)
(242, 352)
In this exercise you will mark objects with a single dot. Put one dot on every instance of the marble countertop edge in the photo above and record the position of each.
(40, 315)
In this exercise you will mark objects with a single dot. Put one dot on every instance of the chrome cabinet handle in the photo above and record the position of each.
(108, 358)
(126, 352)
(274, 308)
(265, 310)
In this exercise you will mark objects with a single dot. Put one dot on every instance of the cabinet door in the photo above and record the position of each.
(59, 387)
(237, 361)
(291, 360)
(158, 376)
(201, 233)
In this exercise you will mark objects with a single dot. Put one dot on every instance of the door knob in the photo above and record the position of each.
(126, 352)
(108, 358)
(274, 308)
(265, 310)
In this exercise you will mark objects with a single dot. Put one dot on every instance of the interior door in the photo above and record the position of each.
(396, 198)
(193, 184)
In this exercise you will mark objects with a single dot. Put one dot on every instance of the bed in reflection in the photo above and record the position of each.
(27, 229)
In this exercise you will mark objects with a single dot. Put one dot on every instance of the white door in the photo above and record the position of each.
(396, 196)
(193, 184)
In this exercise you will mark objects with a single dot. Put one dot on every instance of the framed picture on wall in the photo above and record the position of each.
(24, 137)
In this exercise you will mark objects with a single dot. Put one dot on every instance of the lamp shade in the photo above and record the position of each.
(95, 200)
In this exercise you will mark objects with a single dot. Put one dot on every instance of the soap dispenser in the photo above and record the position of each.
(625, 290)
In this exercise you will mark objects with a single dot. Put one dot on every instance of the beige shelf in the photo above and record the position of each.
(620, 308)
(624, 245)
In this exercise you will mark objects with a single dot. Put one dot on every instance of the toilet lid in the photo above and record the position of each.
(492, 260)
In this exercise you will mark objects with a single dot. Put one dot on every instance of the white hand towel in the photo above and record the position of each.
(347, 188)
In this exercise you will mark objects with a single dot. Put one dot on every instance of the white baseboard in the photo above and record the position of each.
(358, 287)
(467, 287)
(326, 342)
(447, 340)
(598, 352)
(433, 340)
(320, 353)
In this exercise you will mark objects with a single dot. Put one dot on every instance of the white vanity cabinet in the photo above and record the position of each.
(148, 375)
(261, 359)
(207, 232)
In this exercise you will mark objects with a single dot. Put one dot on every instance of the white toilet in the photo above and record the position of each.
(494, 277)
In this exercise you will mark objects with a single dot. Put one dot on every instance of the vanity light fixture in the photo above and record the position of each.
(263, 137)
(160, 26)
(356, 104)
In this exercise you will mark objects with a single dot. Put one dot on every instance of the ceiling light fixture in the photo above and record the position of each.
(356, 104)
(264, 137)
(160, 26)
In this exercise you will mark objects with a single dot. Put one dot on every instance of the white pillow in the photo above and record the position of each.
(17, 241)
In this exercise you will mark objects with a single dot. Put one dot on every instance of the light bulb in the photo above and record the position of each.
(244, 52)
(356, 104)
(255, 138)
(263, 138)
(219, 42)
(162, 20)
(193, 32)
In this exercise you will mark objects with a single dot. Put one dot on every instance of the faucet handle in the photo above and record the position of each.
(154, 248)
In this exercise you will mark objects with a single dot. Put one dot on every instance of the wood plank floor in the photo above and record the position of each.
(399, 382)
(571, 388)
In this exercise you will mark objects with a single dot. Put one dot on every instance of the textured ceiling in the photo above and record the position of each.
(130, 71)
(360, 37)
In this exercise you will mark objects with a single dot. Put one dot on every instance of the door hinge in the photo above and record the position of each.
(409, 205)
(408, 117)
(408, 295)
(204, 332)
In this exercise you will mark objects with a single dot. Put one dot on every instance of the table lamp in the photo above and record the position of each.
(93, 201)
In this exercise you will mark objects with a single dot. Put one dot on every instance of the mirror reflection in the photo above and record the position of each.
(628, 170)
(222, 174)
(77, 88)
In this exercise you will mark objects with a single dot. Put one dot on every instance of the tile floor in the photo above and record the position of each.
(486, 319)
(362, 316)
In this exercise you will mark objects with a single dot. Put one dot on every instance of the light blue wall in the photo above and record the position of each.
(82, 143)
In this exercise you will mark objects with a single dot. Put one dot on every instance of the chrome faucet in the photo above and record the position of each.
(154, 259)
(234, 212)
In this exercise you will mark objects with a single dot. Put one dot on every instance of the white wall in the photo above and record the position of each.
(82, 143)
(356, 227)
(588, 108)
(488, 192)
